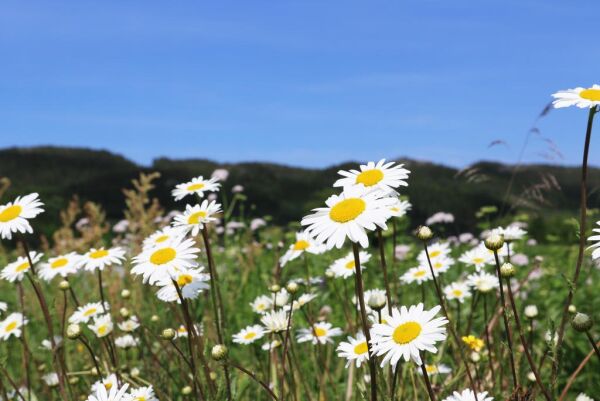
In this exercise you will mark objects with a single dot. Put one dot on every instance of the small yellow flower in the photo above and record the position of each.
(476, 344)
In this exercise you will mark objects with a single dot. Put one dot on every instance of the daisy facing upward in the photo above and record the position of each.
(380, 176)
(197, 186)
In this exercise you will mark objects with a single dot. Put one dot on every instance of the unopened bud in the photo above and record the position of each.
(292, 287)
(64, 285)
(531, 311)
(154, 318)
(572, 308)
(125, 294)
(274, 288)
(135, 372)
(507, 270)
(494, 242)
(376, 301)
(424, 233)
(124, 312)
(168, 334)
(73, 331)
(219, 352)
(213, 376)
(187, 390)
(581, 322)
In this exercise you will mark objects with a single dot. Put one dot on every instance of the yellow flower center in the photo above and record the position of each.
(477, 260)
(347, 210)
(195, 187)
(162, 256)
(590, 94)
(369, 177)
(435, 253)
(11, 326)
(350, 265)
(361, 348)
(108, 385)
(102, 329)
(457, 293)
(301, 245)
(23, 266)
(162, 238)
(100, 253)
(195, 218)
(10, 213)
(250, 335)
(184, 279)
(182, 330)
(419, 273)
(140, 398)
(58, 263)
(261, 307)
(319, 332)
(406, 332)
(438, 265)
(431, 368)
(90, 312)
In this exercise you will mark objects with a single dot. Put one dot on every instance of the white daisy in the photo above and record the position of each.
(126, 341)
(107, 383)
(478, 257)
(584, 98)
(510, 233)
(101, 258)
(400, 207)
(345, 267)
(11, 326)
(3, 306)
(16, 270)
(459, 291)
(85, 312)
(349, 215)
(301, 301)
(249, 335)
(196, 186)
(355, 349)
(583, 397)
(281, 298)
(114, 394)
(161, 262)
(62, 265)
(268, 346)
(51, 379)
(194, 217)
(304, 243)
(468, 395)
(191, 283)
(483, 282)
(381, 176)
(102, 325)
(262, 304)
(141, 394)
(161, 236)
(419, 274)
(129, 325)
(407, 333)
(596, 246)
(437, 250)
(14, 215)
(275, 321)
(441, 264)
(47, 344)
(321, 333)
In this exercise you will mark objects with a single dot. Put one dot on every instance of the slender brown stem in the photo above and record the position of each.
(253, 377)
(576, 373)
(92, 356)
(589, 336)
(582, 239)
(487, 336)
(524, 343)
(363, 315)
(427, 382)
(286, 339)
(101, 290)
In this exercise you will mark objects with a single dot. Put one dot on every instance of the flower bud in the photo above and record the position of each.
(424, 233)
(154, 318)
(73, 331)
(125, 294)
(124, 313)
(73, 380)
(292, 287)
(572, 308)
(376, 301)
(213, 376)
(135, 372)
(187, 390)
(507, 270)
(64, 285)
(274, 288)
(94, 371)
(531, 311)
(219, 352)
(41, 367)
(581, 322)
(168, 334)
(494, 242)
(531, 377)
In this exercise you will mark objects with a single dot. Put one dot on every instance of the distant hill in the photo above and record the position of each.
(287, 193)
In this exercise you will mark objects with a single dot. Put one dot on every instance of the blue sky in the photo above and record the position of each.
(308, 83)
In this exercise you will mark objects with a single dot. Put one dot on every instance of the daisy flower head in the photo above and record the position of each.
(16, 270)
(596, 246)
(436, 369)
(583, 397)
(349, 215)
(437, 250)
(280, 298)
(483, 282)
(161, 236)
(62, 265)
(304, 243)
(354, 350)
(3, 307)
(163, 261)
(51, 379)
(268, 346)
(262, 304)
(142, 394)
(468, 395)
(301, 301)
(400, 207)
(12, 326)
(510, 233)
(478, 257)
(197, 186)
(408, 332)
(584, 98)
(249, 335)
(114, 393)
(417, 274)
(275, 321)
(380, 176)
(102, 325)
(107, 383)
(126, 341)
(345, 267)
(458, 290)
(15, 215)
(441, 264)
(195, 217)
(101, 258)
(129, 325)
(86, 312)
(321, 333)
(191, 283)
